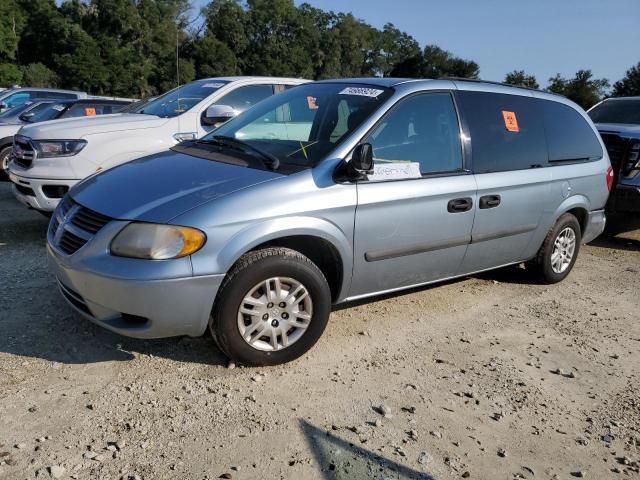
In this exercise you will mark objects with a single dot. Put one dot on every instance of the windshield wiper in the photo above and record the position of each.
(272, 162)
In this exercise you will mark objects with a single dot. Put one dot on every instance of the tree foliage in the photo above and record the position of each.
(629, 85)
(583, 89)
(521, 79)
(129, 47)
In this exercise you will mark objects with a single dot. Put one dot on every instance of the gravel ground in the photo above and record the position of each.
(490, 377)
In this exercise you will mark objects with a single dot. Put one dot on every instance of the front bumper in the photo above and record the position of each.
(31, 191)
(626, 198)
(152, 308)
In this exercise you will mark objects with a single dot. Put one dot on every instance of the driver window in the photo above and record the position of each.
(421, 132)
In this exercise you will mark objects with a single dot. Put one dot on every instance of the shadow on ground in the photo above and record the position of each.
(36, 322)
(338, 459)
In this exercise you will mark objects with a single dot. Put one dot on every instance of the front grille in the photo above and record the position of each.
(73, 225)
(89, 221)
(616, 148)
(23, 153)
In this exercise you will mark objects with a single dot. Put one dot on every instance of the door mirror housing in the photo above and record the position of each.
(3, 107)
(362, 159)
(217, 114)
(26, 116)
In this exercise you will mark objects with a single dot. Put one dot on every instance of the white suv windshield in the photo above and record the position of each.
(181, 99)
(302, 125)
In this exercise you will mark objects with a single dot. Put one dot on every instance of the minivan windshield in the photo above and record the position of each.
(302, 125)
(181, 99)
(616, 111)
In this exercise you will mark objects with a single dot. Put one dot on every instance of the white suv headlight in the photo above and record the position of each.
(157, 242)
(58, 148)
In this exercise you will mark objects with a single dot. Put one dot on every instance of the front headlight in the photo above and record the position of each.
(58, 148)
(157, 242)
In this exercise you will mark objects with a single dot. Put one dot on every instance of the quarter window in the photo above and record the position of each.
(569, 135)
(421, 133)
(507, 131)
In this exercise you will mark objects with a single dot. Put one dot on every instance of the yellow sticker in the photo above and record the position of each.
(510, 121)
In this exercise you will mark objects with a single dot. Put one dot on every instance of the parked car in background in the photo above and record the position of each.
(40, 111)
(618, 121)
(17, 96)
(330, 192)
(51, 157)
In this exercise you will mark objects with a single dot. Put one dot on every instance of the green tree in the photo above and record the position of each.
(629, 85)
(393, 47)
(10, 75)
(436, 63)
(37, 75)
(11, 24)
(521, 79)
(583, 89)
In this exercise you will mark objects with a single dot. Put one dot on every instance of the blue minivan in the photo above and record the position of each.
(325, 193)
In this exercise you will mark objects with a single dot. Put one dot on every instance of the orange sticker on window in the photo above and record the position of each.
(311, 101)
(510, 121)
(90, 111)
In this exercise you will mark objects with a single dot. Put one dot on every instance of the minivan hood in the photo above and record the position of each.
(625, 129)
(159, 187)
(70, 128)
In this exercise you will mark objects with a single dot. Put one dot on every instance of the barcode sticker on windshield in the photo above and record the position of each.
(362, 92)
(212, 85)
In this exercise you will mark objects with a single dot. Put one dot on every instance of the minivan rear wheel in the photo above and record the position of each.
(559, 251)
(272, 307)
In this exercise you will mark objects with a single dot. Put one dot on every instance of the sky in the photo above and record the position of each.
(543, 37)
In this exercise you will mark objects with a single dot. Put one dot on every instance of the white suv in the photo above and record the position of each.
(51, 157)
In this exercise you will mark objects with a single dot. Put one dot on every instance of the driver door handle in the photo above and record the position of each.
(460, 205)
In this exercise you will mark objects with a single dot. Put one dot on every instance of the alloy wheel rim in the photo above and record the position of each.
(275, 314)
(564, 248)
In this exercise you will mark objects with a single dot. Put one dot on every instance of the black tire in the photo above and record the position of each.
(5, 153)
(253, 268)
(542, 261)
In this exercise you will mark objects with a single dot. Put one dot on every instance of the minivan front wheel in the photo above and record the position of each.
(271, 308)
(5, 158)
(559, 251)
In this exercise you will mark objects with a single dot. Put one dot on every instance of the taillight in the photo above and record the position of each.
(610, 177)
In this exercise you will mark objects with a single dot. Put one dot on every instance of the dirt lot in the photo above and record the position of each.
(466, 372)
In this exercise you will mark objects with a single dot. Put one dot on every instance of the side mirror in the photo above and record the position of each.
(26, 116)
(3, 107)
(216, 114)
(362, 159)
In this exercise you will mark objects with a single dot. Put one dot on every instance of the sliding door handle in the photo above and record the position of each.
(489, 201)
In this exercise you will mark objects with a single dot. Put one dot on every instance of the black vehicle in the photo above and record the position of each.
(618, 121)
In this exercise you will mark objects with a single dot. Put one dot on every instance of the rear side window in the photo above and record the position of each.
(243, 98)
(507, 131)
(60, 95)
(569, 136)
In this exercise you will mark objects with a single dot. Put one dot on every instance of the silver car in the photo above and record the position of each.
(330, 192)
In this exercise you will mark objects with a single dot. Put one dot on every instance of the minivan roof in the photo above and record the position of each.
(251, 77)
(392, 82)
